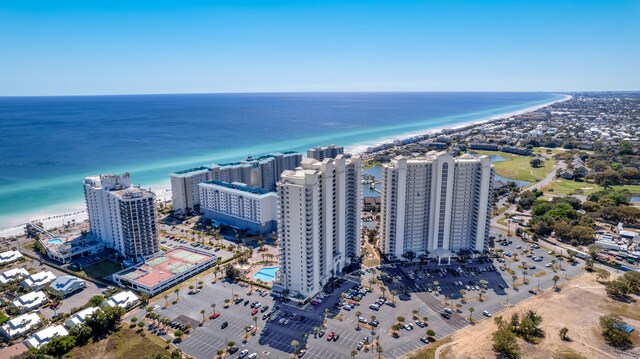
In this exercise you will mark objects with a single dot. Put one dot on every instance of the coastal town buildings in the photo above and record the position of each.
(124, 300)
(257, 172)
(10, 257)
(437, 206)
(321, 152)
(20, 325)
(13, 274)
(38, 280)
(121, 215)
(42, 337)
(319, 207)
(239, 206)
(30, 301)
(80, 317)
(67, 284)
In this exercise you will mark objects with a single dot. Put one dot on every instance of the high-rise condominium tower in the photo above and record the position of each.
(437, 206)
(319, 208)
(121, 215)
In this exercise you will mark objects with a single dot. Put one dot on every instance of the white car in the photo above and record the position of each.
(548, 265)
(252, 356)
(486, 314)
(243, 353)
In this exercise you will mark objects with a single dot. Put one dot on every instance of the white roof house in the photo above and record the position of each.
(80, 317)
(38, 281)
(68, 284)
(19, 326)
(45, 335)
(13, 274)
(30, 301)
(122, 299)
(9, 257)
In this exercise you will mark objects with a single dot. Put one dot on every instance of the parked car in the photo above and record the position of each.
(330, 336)
(486, 313)
(224, 325)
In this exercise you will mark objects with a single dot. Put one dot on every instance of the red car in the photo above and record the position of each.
(253, 312)
(330, 336)
(313, 302)
(215, 315)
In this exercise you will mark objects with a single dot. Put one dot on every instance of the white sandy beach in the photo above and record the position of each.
(76, 212)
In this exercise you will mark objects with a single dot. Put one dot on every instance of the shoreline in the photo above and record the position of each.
(52, 218)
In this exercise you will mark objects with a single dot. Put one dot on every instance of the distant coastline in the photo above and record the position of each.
(57, 215)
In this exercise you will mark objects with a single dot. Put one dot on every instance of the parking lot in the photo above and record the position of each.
(415, 288)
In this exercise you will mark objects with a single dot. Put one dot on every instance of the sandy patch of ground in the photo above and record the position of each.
(577, 306)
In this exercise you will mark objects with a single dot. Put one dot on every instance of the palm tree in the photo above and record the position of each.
(524, 276)
(202, 311)
(213, 305)
(255, 322)
(471, 310)
(354, 353)
(177, 291)
(462, 293)
(295, 344)
(315, 331)
(358, 314)
(555, 280)
(166, 300)
(393, 295)
(372, 281)
(415, 313)
(383, 289)
(513, 280)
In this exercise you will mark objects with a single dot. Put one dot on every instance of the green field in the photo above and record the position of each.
(518, 167)
(564, 187)
(102, 269)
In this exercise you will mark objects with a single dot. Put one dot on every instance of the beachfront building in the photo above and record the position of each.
(184, 188)
(124, 300)
(321, 152)
(13, 274)
(166, 270)
(239, 206)
(20, 325)
(256, 172)
(30, 301)
(80, 317)
(10, 257)
(438, 206)
(44, 336)
(68, 284)
(319, 208)
(38, 281)
(64, 249)
(122, 216)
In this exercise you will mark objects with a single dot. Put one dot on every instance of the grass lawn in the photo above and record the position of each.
(543, 151)
(518, 167)
(123, 344)
(102, 269)
(564, 187)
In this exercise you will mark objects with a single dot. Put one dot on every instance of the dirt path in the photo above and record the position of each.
(577, 307)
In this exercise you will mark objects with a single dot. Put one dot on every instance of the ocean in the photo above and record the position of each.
(49, 144)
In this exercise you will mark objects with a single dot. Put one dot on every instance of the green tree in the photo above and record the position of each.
(59, 346)
(555, 280)
(612, 332)
(504, 340)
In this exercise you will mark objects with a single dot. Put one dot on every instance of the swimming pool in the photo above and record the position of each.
(267, 274)
(55, 241)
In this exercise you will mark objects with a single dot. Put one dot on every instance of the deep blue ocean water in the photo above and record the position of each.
(49, 144)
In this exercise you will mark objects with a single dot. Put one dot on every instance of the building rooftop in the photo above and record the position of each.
(39, 279)
(9, 256)
(43, 336)
(236, 186)
(190, 171)
(21, 324)
(12, 274)
(122, 299)
(80, 317)
(133, 193)
(64, 282)
(30, 300)
(164, 267)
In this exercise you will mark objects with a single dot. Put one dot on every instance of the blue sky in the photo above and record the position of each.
(115, 47)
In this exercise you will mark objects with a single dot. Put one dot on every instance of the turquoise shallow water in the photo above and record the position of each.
(49, 144)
